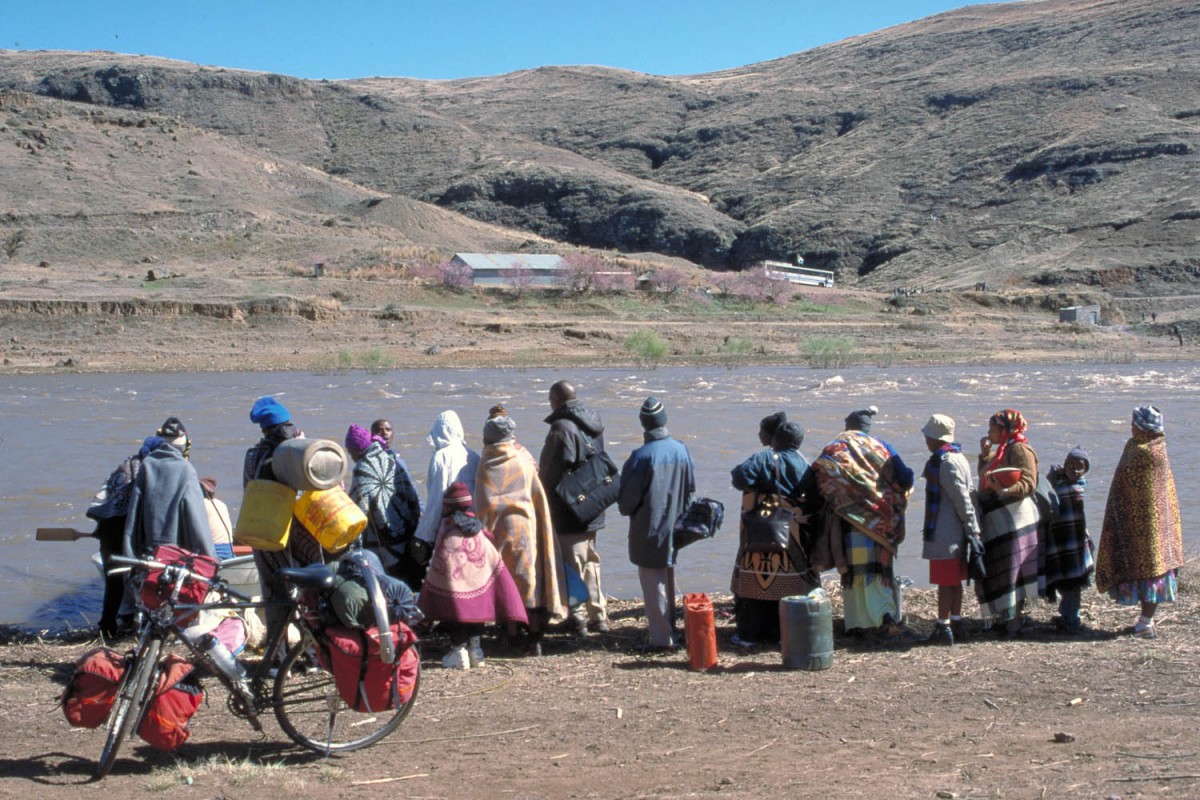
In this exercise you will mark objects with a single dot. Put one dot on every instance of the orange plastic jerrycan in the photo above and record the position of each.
(701, 631)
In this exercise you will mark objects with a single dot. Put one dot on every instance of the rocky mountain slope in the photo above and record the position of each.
(1025, 143)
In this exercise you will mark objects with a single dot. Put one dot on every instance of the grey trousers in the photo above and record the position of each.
(658, 590)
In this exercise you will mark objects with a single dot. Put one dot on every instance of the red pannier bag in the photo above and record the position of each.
(364, 681)
(156, 589)
(88, 698)
(164, 724)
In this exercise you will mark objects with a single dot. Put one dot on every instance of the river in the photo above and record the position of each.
(60, 435)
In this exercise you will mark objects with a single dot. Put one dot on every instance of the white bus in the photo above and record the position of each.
(783, 271)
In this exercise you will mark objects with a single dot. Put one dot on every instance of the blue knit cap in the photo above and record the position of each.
(268, 412)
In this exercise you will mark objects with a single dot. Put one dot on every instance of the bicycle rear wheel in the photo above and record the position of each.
(311, 712)
(136, 686)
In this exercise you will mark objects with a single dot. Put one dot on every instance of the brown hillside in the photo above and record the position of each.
(1043, 141)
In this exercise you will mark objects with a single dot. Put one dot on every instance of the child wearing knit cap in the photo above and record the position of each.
(1068, 559)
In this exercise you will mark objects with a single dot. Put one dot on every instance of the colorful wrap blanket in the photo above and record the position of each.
(1142, 536)
(856, 476)
(511, 503)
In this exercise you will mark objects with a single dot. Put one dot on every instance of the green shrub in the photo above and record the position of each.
(647, 346)
(827, 351)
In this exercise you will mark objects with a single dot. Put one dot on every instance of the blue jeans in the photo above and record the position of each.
(1068, 607)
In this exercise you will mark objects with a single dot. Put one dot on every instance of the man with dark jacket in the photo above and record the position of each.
(574, 432)
(656, 484)
(166, 505)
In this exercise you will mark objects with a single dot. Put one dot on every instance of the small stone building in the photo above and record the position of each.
(1089, 315)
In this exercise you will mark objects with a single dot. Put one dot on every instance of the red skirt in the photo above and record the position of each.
(947, 571)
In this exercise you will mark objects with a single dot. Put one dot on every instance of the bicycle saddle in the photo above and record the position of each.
(314, 576)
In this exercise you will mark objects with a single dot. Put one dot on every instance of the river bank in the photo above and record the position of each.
(1043, 716)
(234, 321)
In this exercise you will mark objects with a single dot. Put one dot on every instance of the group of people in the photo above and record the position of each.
(494, 542)
(1016, 534)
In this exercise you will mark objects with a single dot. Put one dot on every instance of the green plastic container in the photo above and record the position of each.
(806, 629)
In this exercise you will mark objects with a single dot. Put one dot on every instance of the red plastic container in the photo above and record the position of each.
(701, 631)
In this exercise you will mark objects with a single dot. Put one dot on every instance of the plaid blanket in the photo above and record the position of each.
(1067, 549)
(1010, 552)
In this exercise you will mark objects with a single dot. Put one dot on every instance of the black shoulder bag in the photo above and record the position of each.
(589, 487)
(767, 526)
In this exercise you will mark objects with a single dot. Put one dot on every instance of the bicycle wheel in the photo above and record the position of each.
(311, 712)
(136, 686)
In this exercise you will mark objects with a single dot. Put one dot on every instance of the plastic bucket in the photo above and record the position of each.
(265, 518)
(331, 517)
(806, 630)
(309, 465)
(701, 631)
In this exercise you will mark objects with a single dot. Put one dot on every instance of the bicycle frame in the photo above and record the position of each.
(302, 694)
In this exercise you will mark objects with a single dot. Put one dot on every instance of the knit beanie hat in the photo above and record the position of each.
(456, 498)
(497, 410)
(861, 420)
(358, 439)
(771, 423)
(652, 414)
(268, 412)
(174, 434)
(498, 429)
(788, 436)
(1081, 454)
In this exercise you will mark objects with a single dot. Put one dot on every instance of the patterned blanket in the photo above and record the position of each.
(1142, 535)
(855, 477)
(512, 504)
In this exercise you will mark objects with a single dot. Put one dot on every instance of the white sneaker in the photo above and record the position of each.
(457, 658)
(475, 652)
(1146, 631)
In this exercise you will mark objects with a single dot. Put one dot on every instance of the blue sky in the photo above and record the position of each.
(451, 38)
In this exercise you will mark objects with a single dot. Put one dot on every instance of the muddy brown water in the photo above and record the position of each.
(60, 435)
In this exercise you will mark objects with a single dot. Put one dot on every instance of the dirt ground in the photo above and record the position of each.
(1045, 716)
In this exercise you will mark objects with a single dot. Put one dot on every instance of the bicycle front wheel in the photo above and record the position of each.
(135, 689)
(311, 712)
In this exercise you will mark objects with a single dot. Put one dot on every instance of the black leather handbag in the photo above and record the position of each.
(590, 487)
(767, 526)
(701, 520)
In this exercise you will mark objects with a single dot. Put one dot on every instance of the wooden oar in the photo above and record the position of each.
(60, 534)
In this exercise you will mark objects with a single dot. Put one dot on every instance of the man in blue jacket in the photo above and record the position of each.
(657, 482)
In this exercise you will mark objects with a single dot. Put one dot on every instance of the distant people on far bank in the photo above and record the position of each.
(1141, 542)
(657, 483)
(575, 432)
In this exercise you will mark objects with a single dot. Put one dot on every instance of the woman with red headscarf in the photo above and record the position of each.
(1008, 470)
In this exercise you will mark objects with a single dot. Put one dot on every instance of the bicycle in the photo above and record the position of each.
(300, 690)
